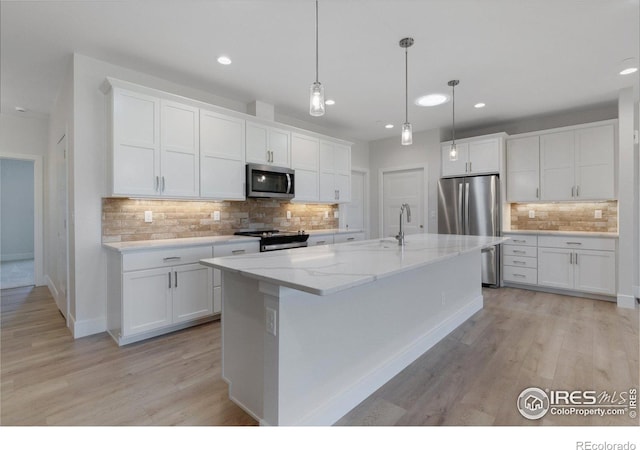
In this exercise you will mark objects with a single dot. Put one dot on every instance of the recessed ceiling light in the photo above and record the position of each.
(628, 66)
(479, 105)
(20, 109)
(628, 70)
(330, 102)
(432, 100)
(224, 60)
(389, 125)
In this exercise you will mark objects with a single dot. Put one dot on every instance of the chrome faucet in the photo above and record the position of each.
(400, 236)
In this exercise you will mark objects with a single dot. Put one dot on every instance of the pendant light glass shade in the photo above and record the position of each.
(407, 134)
(453, 151)
(316, 99)
(316, 95)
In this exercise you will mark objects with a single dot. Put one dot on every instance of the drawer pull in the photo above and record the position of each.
(574, 243)
(520, 252)
(321, 242)
(237, 252)
(518, 240)
(172, 258)
(520, 262)
(519, 275)
(351, 239)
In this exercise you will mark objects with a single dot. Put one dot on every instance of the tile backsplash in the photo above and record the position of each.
(123, 218)
(565, 216)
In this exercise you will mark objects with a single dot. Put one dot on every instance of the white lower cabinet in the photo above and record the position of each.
(347, 237)
(320, 239)
(573, 263)
(334, 238)
(228, 249)
(153, 292)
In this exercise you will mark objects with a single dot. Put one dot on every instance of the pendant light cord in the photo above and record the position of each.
(453, 101)
(316, 41)
(406, 85)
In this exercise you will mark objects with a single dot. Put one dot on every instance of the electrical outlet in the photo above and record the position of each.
(270, 321)
(148, 216)
(336, 214)
(598, 214)
(326, 214)
(215, 216)
(532, 214)
(288, 215)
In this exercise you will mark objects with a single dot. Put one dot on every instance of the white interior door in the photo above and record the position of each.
(62, 267)
(398, 187)
(355, 210)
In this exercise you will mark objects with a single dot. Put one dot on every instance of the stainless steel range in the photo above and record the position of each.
(271, 240)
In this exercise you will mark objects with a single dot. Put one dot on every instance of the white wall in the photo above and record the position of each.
(16, 209)
(388, 153)
(24, 134)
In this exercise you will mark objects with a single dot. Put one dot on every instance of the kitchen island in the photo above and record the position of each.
(307, 334)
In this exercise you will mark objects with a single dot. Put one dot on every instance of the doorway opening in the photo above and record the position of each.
(17, 223)
(398, 186)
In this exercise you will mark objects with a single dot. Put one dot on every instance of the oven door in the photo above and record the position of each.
(270, 182)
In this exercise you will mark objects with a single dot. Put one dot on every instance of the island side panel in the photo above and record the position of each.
(243, 341)
(331, 352)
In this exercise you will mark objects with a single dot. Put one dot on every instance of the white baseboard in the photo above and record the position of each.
(626, 301)
(88, 327)
(348, 399)
(52, 286)
(16, 256)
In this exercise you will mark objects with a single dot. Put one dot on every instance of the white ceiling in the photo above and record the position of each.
(521, 58)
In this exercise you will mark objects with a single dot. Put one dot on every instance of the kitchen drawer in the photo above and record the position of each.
(520, 275)
(165, 257)
(347, 237)
(320, 239)
(521, 239)
(521, 261)
(577, 243)
(520, 250)
(235, 249)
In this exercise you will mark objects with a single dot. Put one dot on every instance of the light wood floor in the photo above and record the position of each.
(473, 377)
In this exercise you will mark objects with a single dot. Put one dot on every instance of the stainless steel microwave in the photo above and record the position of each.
(270, 182)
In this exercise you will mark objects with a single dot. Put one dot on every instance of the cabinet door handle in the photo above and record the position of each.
(338, 191)
(157, 183)
(576, 258)
(169, 279)
(520, 252)
(176, 275)
(571, 258)
(537, 192)
(574, 243)
(470, 169)
(171, 258)
(577, 191)
(573, 191)
(237, 252)
(162, 184)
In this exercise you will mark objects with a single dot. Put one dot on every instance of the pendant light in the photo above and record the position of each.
(316, 98)
(407, 133)
(453, 151)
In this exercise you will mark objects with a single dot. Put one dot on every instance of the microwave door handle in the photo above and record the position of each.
(288, 183)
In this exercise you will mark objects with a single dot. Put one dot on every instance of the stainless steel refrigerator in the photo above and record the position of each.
(471, 205)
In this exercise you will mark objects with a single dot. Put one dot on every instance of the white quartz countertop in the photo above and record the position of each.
(562, 233)
(327, 269)
(177, 242)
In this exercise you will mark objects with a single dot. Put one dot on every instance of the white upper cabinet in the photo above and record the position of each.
(155, 147)
(478, 155)
(305, 153)
(577, 164)
(335, 172)
(135, 158)
(267, 145)
(523, 169)
(180, 150)
(222, 144)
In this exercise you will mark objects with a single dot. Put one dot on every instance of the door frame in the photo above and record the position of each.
(38, 225)
(425, 199)
(342, 208)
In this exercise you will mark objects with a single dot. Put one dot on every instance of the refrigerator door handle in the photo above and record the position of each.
(466, 208)
(460, 207)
